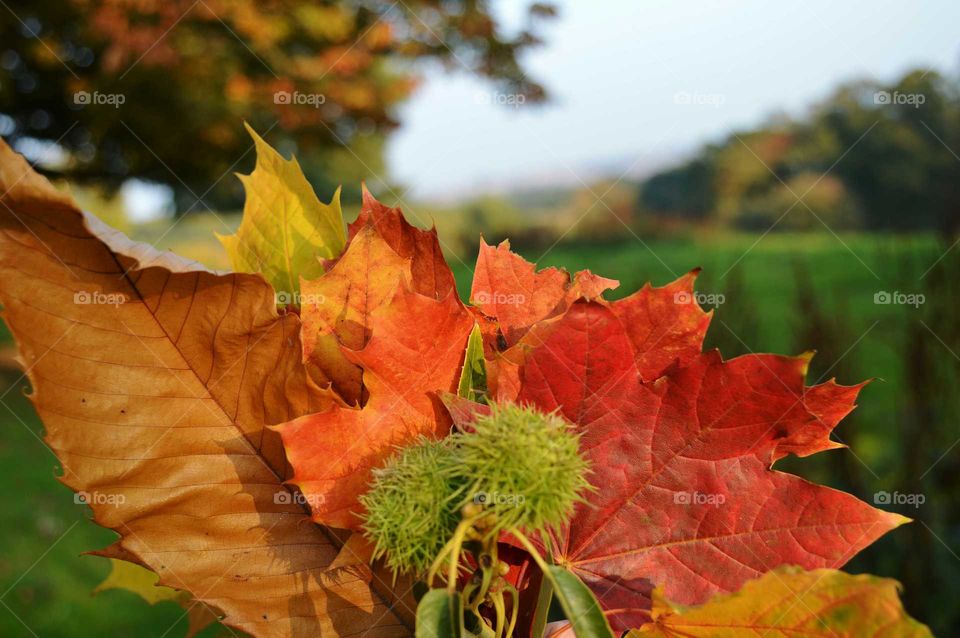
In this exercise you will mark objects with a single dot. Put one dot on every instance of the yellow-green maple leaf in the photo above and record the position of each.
(789, 602)
(286, 230)
(143, 582)
(139, 580)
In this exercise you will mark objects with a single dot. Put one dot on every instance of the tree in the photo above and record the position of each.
(686, 191)
(897, 141)
(157, 89)
(881, 156)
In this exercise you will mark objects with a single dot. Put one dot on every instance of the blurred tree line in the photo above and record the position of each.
(156, 89)
(872, 156)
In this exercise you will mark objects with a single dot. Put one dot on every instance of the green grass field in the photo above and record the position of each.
(784, 294)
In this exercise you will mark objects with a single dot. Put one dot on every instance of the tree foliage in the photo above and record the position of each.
(822, 168)
(108, 80)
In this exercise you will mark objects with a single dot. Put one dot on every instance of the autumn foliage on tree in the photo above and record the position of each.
(328, 75)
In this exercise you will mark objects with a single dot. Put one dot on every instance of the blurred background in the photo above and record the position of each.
(805, 154)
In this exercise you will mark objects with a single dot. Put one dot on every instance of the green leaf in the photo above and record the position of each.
(473, 378)
(542, 611)
(581, 608)
(285, 229)
(438, 615)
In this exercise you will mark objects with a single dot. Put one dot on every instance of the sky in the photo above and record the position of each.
(638, 83)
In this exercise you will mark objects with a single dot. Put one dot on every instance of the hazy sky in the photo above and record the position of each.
(641, 80)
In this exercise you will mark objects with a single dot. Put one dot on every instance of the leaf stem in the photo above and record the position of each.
(515, 609)
(454, 546)
(532, 550)
(497, 599)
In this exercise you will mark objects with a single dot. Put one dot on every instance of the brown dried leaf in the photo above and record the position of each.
(155, 380)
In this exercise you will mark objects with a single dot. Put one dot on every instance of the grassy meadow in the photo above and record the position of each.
(781, 293)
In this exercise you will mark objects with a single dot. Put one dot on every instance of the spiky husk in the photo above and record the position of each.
(412, 505)
(521, 466)
(524, 466)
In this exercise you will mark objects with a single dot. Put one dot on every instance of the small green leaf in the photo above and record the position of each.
(473, 378)
(581, 608)
(438, 615)
(542, 611)
(285, 230)
(140, 581)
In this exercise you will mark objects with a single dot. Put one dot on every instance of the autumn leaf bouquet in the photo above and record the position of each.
(468, 469)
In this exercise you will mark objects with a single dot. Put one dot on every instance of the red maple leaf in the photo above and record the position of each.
(388, 310)
(382, 250)
(681, 445)
(509, 289)
(663, 324)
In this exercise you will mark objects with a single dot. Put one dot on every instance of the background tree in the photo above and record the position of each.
(914, 127)
(685, 191)
(871, 155)
(157, 89)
